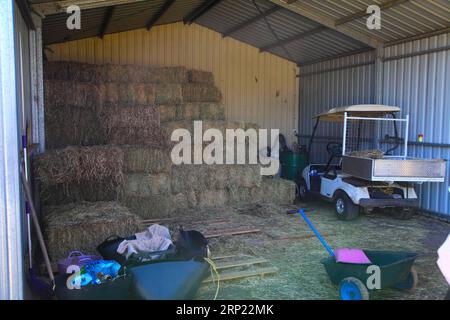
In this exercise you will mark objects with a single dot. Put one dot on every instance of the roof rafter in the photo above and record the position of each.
(250, 21)
(200, 10)
(293, 38)
(166, 6)
(107, 21)
(52, 7)
(300, 9)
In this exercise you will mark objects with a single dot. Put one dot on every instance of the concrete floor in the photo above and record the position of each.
(300, 275)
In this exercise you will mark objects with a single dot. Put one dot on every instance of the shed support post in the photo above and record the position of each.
(378, 88)
(37, 85)
(11, 250)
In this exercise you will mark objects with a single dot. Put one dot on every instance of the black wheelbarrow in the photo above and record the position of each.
(395, 270)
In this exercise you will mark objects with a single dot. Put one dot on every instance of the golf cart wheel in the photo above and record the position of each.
(353, 289)
(344, 207)
(411, 281)
(403, 213)
(301, 189)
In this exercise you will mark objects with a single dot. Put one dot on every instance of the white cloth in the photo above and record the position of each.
(444, 259)
(155, 238)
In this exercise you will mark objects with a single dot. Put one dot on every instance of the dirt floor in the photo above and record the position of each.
(300, 275)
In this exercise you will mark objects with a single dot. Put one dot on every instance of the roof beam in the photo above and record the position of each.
(200, 10)
(363, 13)
(26, 13)
(300, 9)
(340, 55)
(166, 6)
(250, 21)
(51, 7)
(418, 37)
(106, 21)
(293, 38)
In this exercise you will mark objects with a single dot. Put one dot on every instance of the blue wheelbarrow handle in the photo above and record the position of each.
(303, 215)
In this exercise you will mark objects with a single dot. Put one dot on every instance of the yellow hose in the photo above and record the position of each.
(214, 270)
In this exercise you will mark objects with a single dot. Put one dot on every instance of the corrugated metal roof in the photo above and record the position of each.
(403, 19)
(125, 17)
(299, 38)
(284, 23)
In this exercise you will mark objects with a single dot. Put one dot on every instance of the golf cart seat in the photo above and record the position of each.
(334, 149)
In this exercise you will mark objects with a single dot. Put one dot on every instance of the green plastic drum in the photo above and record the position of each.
(292, 163)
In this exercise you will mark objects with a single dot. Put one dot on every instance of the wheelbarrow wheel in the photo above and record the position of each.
(344, 207)
(411, 281)
(353, 289)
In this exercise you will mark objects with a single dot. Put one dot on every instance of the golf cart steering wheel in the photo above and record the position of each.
(334, 149)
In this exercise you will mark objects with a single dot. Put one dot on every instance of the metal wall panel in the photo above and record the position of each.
(256, 87)
(332, 84)
(419, 85)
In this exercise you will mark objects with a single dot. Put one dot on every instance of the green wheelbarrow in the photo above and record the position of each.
(384, 269)
(395, 270)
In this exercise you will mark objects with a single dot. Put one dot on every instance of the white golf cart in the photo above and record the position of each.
(370, 167)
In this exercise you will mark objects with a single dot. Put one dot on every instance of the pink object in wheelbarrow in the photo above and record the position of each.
(75, 258)
(351, 255)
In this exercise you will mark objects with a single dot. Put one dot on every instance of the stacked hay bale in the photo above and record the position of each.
(76, 174)
(109, 127)
(82, 226)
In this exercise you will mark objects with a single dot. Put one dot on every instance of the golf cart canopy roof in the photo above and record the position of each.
(360, 110)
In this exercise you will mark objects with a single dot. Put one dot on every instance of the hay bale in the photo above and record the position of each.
(83, 226)
(71, 93)
(186, 178)
(212, 198)
(271, 190)
(156, 206)
(135, 94)
(168, 93)
(145, 185)
(75, 71)
(194, 92)
(109, 92)
(201, 111)
(211, 111)
(166, 75)
(97, 190)
(276, 190)
(145, 136)
(66, 126)
(114, 73)
(75, 164)
(169, 112)
(56, 70)
(130, 117)
(198, 76)
(145, 159)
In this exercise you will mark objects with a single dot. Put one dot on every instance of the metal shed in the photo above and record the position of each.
(310, 55)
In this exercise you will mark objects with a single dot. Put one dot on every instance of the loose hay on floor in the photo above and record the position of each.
(83, 226)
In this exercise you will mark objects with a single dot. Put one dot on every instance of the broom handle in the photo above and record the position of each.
(322, 240)
(26, 188)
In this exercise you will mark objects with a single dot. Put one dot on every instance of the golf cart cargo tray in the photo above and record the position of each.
(394, 169)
